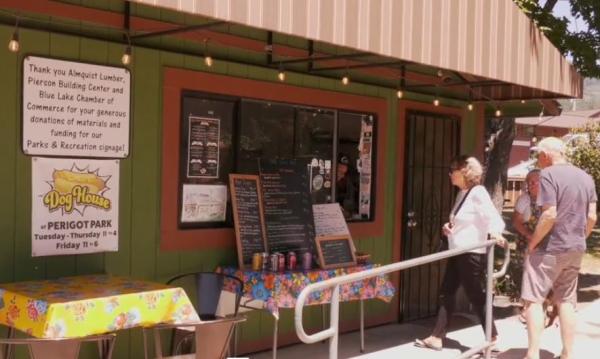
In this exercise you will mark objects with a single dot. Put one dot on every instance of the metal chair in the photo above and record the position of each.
(59, 348)
(218, 312)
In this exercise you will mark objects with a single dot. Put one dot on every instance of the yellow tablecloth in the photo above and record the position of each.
(79, 306)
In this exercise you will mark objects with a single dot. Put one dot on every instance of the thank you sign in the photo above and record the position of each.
(74, 109)
(75, 206)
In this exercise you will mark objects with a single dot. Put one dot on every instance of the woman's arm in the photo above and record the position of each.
(517, 222)
(493, 222)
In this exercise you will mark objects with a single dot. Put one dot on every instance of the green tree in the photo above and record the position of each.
(585, 150)
(582, 45)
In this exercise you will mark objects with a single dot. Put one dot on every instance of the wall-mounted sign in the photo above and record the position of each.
(203, 203)
(203, 147)
(75, 206)
(74, 109)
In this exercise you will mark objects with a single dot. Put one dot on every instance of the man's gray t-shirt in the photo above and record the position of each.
(571, 190)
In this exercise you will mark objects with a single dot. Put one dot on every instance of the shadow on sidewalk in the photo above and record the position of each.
(519, 353)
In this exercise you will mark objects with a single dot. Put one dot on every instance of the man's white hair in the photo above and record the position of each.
(551, 146)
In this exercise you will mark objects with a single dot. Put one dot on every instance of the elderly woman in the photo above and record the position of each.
(472, 219)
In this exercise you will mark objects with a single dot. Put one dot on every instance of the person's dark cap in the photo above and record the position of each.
(343, 159)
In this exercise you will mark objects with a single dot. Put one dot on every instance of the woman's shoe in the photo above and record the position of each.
(427, 343)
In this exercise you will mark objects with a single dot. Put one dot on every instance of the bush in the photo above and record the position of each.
(584, 150)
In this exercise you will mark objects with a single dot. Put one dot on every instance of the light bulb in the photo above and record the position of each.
(436, 102)
(400, 93)
(534, 139)
(126, 58)
(498, 113)
(281, 75)
(13, 44)
(208, 60)
(522, 101)
(345, 80)
(470, 106)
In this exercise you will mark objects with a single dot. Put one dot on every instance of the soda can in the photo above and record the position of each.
(274, 262)
(291, 261)
(265, 261)
(257, 262)
(307, 261)
(281, 262)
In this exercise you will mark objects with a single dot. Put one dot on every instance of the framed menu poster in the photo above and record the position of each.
(335, 251)
(203, 147)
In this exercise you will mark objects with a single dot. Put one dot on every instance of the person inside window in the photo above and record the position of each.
(346, 186)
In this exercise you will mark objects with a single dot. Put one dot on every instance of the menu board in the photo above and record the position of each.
(248, 217)
(203, 147)
(335, 252)
(287, 203)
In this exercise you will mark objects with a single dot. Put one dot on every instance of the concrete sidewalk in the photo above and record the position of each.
(396, 341)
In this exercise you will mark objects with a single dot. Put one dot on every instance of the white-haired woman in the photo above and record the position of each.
(472, 219)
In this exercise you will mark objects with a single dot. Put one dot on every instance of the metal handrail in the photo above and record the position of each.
(332, 333)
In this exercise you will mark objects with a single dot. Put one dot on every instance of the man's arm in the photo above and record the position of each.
(591, 219)
(543, 227)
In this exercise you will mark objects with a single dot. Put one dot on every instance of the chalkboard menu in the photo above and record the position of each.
(335, 251)
(203, 147)
(248, 217)
(288, 206)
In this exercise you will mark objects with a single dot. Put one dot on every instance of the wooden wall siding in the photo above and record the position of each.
(139, 255)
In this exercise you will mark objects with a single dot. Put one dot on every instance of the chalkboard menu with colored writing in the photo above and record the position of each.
(288, 206)
(335, 251)
(248, 217)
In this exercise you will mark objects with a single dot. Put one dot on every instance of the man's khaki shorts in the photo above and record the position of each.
(545, 271)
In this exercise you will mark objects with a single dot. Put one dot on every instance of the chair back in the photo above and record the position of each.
(60, 348)
(211, 290)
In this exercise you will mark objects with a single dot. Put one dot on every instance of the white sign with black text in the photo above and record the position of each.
(74, 109)
(75, 206)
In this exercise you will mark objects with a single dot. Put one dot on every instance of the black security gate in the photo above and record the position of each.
(432, 140)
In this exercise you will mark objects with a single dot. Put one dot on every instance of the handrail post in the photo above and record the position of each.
(488, 299)
(334, 322)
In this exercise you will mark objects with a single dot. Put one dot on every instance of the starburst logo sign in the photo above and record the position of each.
(76, 189)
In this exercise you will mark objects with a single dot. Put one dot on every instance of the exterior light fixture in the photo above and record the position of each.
(436, 102)
(126, 58)
(345, 80)
(13, 44)
(522, 101)
(498, 112)
(400, 93)
(470, 106)
(281, 74)
(208, 60)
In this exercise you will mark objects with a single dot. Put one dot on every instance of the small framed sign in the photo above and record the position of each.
(335, 251)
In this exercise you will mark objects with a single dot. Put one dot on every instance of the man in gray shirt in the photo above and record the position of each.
(568, 199)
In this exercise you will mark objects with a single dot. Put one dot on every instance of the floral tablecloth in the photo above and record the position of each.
(79, 306)
(280, 289)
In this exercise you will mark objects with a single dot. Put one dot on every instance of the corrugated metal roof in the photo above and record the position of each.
(492, 39)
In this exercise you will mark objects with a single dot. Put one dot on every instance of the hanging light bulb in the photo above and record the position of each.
(281, 73)
(522, 101)
(400, 93)
(345, 80)
(436, 102)
(208, 60)
(498, 112)
(126, 58)
(13, 44)
(534, 139)
(470, 106)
